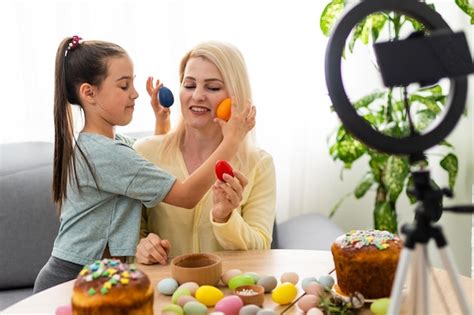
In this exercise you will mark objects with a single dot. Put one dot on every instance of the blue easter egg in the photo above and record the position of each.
(165, 96)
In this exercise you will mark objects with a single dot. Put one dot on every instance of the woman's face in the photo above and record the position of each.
(201, 91)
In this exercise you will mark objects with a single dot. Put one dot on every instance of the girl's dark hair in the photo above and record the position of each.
(85, 62)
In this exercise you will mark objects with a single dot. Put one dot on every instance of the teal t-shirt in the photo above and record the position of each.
(109, 211)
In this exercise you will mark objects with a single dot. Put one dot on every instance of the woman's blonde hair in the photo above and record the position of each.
(231, 64)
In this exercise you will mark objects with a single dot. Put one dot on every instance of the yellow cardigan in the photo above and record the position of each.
(193, 230)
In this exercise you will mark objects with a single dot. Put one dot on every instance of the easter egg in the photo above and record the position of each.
(223, 110)
(183, 299)
(314, 311)
(172, 308)
(64, 310)
(380, 306)
(250, 309)
(209, 295)
(192, 286)
(266, 311)
(284, 293)
(308, 301)
(178, 293)
(307, 281)
(314, 288)
(268, 283)
(291, 277)
(165, 97)
(167, 286)
(326, 281)
(222, 167)
(195, 307)
(254, 275)
(229, 274)
(230, 305)
(239, 281)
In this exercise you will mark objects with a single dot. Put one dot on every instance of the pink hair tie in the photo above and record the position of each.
(76, 40)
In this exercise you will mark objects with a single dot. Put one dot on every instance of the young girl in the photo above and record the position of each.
(99, 182)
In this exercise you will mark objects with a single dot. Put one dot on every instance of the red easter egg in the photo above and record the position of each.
(222, 167)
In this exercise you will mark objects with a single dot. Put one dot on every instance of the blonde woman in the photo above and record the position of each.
(237, 214)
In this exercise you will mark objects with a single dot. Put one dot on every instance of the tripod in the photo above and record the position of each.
(418, 234)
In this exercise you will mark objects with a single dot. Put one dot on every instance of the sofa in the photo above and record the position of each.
(29, 221)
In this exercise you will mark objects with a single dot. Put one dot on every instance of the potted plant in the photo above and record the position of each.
(385, 111)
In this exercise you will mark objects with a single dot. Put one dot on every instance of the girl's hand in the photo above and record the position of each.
(239, 124)
(152, 249)
(227, 196)
(162, 114)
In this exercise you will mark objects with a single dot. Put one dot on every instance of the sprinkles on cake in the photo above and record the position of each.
(362, 238)
(112, 269)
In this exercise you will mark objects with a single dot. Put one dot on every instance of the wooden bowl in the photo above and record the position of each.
(202, 268)
(247, 298)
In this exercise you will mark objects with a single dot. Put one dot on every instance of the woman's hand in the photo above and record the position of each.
(162, 114)
(152, 249)
(239, 124)
(227, 195)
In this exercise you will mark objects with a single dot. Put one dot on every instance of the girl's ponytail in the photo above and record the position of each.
(63, 128)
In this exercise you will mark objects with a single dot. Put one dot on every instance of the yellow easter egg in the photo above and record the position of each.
(208, 295)
(224, 109)
(285, 293)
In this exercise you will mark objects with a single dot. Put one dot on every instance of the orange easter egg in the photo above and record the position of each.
(224, 109)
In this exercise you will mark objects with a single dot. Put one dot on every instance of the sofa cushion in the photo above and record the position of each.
(28, 220)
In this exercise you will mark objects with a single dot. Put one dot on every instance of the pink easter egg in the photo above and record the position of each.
(314, 311)
(314, 288)
(230, 305)
(308, 301)
(183, 299)
(64, 310)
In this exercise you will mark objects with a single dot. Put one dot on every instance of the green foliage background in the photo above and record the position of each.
(385, 111)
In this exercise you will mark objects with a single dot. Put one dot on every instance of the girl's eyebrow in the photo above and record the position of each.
(126, 77)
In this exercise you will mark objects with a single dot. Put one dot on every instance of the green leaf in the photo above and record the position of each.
(377, 22)
(364, 185)
(429, 103)
(385, 217)
(450, 164)
(416, 25)
(467, 8)
(434, 90)
(356, 34)
(394, 176)
(377, 164)
(446, 143)
(350, 149)
(368, 99)
(424, 118)
(329, 16)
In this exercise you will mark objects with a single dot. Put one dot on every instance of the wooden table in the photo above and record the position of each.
(272, 262)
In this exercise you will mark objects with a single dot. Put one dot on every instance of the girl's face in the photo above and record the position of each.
(115, 97)
(201, 91)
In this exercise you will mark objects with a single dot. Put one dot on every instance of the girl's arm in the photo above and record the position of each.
(187, 194)
(162, 114)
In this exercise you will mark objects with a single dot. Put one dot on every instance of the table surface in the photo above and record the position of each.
(305, 263)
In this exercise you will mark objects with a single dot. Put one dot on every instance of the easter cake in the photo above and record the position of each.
(366, 261)
(109, 286)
